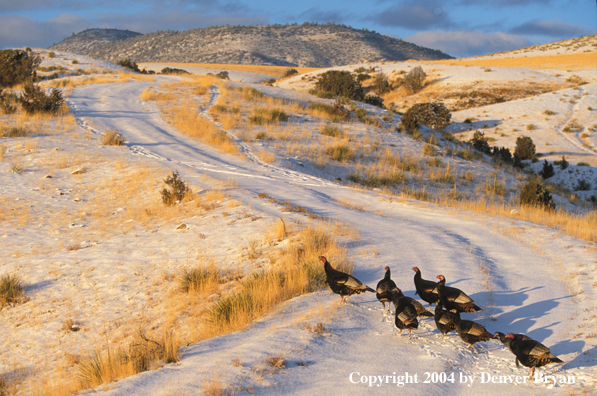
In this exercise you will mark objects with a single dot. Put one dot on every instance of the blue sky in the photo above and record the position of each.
(458, 27)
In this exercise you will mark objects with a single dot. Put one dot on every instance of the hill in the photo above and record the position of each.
(92, 38)
(310, 45)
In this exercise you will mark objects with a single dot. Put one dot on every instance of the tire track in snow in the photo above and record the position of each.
(575, 141)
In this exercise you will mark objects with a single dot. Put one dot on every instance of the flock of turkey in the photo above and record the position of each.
(451, 302)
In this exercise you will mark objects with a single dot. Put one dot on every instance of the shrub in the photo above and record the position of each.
(583, 185)
(363, 77)
(112, 138)
(409, 122)
(502, 153)
(170, 70)
(547, 170)
(432, 115)
(429, 149)
(479, 142)
(35, 100)
(525, 148)
(51, 54)
(17, 67)
(177, 190)
(336, 110)
(534, 194)
(290, 72)
(6, 102)
(582, 164)
(75, 62)
(223, 75)
(414, 80)
(381, 84)
(129, 64)
(12, 290)
(531, 127)
(340, 83)
(374, 100)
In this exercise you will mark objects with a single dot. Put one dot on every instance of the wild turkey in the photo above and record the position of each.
(426, 289)
(406, 314)
(341, 283)
(444, 320)
(385, 289)
(507, 341)
(419, 308)
(531, 353)
(453, 299)
(471, 332)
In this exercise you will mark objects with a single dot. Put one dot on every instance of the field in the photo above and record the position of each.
(220, 291)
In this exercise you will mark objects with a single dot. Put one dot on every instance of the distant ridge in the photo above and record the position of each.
(92, 38)
(308, 45)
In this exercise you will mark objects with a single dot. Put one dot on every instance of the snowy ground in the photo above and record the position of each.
(111, 273)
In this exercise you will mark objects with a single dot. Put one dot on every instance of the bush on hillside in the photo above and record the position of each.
(432, 115)
(525, 148)
(17, 67)
(534, 194)
(479, 143)
(373, 100)
(547, 170)
(414, 80)
(129, 64)
(290, 72)
(177, 189)
(340, 83)
(36, 100)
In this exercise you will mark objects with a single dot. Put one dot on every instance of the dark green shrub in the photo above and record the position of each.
(583, 185)
(414, 80)
(547, 170)
(432, 115)
(28, 49)
(290, 72)
(409, 122)
(374, 100)
(177, 190)
(223, 75)
(563, 163)
(170, 70)
(479, 142)
(129, 64)
(51, 54)
(35, 100)
(7, 100)
(534, 194)
(525, 148)
(17, 67)
(583, 164)
(362, 77)
(340, 83)
(75, 62)
(502, 153)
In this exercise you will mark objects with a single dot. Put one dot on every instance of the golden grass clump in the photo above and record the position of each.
(202, 279)
(112, 138)
(12, 290)
(340, 152)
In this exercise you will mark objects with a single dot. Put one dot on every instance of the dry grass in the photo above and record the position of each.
(111, 137)
(578, 61)
(266, 156)
(276, 71)
(103, 79)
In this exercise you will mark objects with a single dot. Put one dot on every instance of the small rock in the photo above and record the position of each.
(56, 149)
(514, 211)
(47, 176)
(182, 227)
(76, 200)
(78, 171)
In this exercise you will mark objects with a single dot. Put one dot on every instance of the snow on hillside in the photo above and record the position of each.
(81, 242)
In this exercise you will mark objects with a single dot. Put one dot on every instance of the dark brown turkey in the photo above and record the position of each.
(453, 299)
(426, 289)
(508, 341)
(419, 308)
(341, 283)
(471, 332)
(531, 353)
(406, 314)
(444, 320)
(385, 289)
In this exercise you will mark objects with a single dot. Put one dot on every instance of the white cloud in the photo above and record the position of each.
(464, 43)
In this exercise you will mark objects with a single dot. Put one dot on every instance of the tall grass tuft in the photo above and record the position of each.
(112, 138)
(200, 279)
(12, 290)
